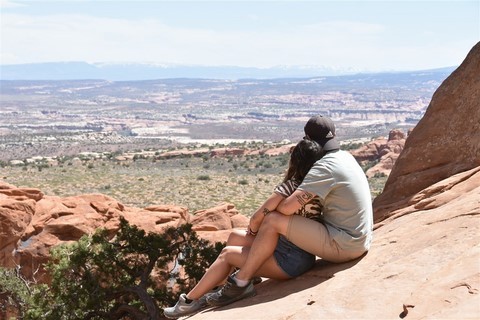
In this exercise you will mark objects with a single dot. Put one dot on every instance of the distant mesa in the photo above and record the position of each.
(143, 71)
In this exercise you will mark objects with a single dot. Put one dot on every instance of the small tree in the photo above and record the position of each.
(15, 294)
(123, 278)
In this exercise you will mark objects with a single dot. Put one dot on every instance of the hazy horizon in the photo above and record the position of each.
(361, 36)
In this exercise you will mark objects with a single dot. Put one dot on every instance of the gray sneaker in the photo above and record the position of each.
(230, 292)
(182, 308)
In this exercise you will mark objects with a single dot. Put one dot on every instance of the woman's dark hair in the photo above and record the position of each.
(302, 158)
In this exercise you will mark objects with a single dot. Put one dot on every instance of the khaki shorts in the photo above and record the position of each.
(312, 236)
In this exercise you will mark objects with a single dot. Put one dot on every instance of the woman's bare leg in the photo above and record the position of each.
(233, 256)
(274, 225)
(218, 272)
(240, 238)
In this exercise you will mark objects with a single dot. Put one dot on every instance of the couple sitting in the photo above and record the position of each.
(322, 209)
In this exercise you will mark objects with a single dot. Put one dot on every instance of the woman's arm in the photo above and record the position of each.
(294, 202)
(269, 205)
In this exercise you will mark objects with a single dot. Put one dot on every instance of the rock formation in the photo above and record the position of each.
(446, 141)
(423, 264)
(383, 151)
(32, 223)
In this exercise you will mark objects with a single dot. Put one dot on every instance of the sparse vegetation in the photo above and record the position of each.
(144, 182)
(15, 294)
(179, 181)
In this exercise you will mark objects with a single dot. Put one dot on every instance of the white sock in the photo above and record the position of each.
(240, 283)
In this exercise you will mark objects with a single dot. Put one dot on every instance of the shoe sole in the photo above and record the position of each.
(187, 314)
(169, 316)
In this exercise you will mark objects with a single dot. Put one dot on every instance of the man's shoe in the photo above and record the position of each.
(230, 292)
(182, 308)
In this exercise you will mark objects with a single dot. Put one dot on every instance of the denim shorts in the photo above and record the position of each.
(291, 259)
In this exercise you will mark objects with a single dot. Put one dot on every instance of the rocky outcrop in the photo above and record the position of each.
(445, 142)
(283, 149)
(225, 152)
(423, 264)
(424, 260)
(382, 151)
(31, 223)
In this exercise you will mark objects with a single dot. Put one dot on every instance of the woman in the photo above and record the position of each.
(288, 261)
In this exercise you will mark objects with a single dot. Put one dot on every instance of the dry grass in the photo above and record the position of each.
(145, 182)
(195, 183)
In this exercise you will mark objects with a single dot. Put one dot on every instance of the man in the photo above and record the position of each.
(344, 234)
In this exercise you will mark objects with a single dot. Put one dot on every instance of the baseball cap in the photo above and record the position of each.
(322, 130)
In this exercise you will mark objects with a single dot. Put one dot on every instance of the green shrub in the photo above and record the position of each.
(14, 294)
(123, 278)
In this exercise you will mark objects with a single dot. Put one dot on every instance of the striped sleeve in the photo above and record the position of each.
(286, 188)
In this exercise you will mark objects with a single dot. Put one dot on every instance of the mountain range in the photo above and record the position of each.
(144, 71)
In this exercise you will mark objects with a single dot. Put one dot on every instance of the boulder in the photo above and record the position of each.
(15, 217)
(445, 142)
(221, 217)
(31, 224)
(383, 151)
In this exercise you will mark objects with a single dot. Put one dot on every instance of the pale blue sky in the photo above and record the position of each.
(362, 35)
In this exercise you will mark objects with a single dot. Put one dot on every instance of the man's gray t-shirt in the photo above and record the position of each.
(343, 189)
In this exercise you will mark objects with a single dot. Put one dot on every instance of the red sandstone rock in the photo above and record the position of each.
(223, 152)
(273, 151)
(15, 216)
(385, 151)
(371, 151)
(214, 219)
(183, 153)
(30, 228)
(446, 141)
(23, 193)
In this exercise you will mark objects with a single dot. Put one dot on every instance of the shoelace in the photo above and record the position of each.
(225, 287)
